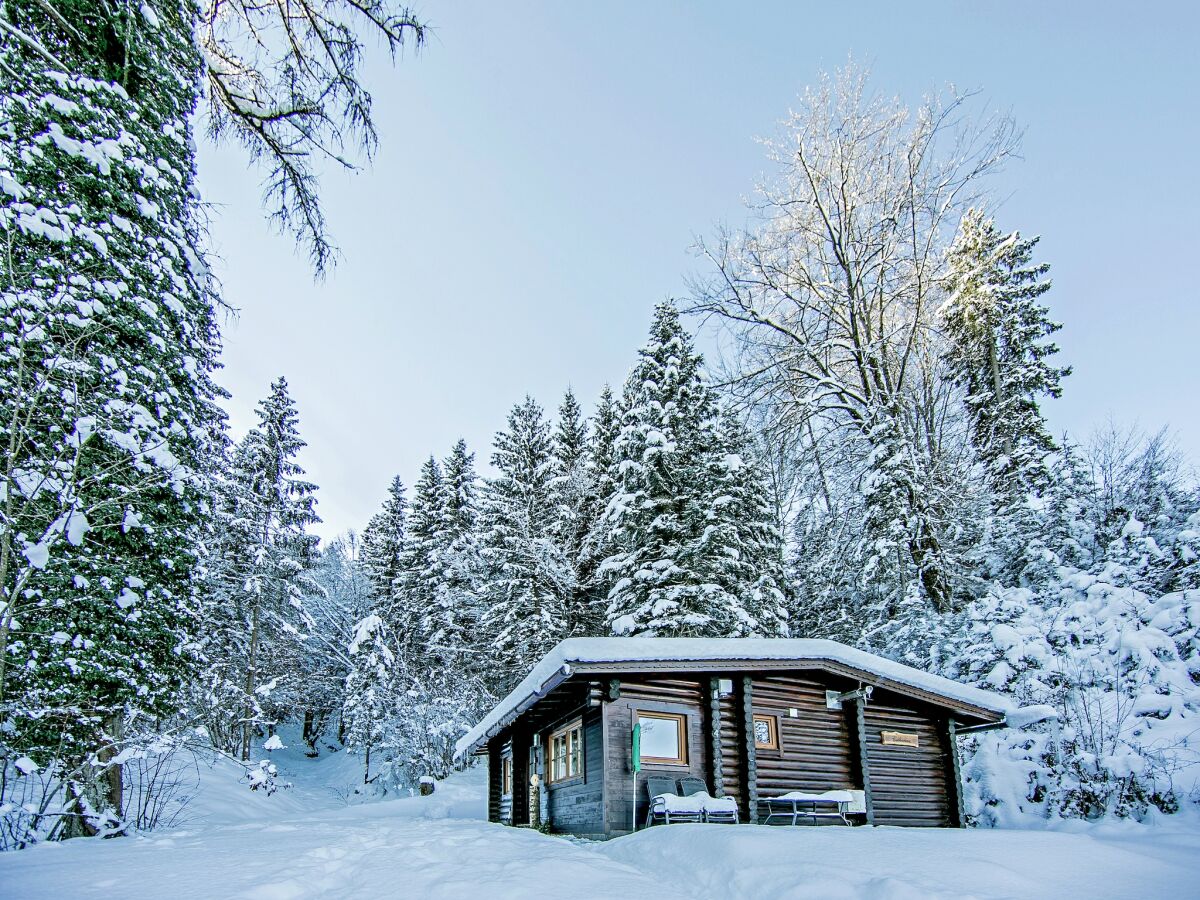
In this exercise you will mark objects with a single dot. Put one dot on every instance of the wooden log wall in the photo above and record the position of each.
(494, 750)
(520, 796)
(909, 785)
(815, 747)
(577, 806)
(678, 695)
(733, 764)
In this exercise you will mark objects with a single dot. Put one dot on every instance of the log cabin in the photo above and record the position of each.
(752, 718)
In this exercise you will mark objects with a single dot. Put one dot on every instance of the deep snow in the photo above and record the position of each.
(306, 842)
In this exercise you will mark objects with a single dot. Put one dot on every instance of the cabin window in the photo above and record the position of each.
(663, 738)
(506, 773)
(566, 752)
(766, 732)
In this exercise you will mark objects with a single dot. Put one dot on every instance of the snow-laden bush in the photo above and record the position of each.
(1121, 670)
(154, 775)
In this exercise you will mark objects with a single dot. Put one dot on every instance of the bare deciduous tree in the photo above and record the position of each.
(833, 296)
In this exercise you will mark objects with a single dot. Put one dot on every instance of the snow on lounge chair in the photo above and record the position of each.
(795, 805)
(667, 806)
(715, 809)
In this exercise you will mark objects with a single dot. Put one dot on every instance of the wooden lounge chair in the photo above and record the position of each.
(667, 806)
(715, 809)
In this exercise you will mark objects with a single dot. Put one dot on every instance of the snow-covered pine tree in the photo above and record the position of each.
(742, 538)
(999, 355)
(663, 573)
(452, 628)
(529, 579)
(416, 588)
(372, 688)
(604, 431)
(574, 488)
(999, 350)
(257, 617)
(383, 542)
(108, 415)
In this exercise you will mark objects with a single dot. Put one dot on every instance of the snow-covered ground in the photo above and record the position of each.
(306, 842)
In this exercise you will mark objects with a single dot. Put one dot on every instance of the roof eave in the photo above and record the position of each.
(993, 717)
(561, 674)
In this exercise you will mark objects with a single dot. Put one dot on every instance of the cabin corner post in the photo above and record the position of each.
(958, 813)
(862, 764)
(717, 763)
(751, 767)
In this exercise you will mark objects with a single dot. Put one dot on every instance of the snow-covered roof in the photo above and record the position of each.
(556, 666)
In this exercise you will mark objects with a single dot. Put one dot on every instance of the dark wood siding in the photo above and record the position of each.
(520, 797)
(577, 806)
(501, 746)
(493, 762)
(683, 695)
(908, 785)
(814, 747)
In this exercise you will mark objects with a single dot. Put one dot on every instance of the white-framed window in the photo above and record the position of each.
(566, 752)
(663, 738)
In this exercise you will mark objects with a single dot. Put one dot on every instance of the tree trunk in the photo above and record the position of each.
(248, 712)
(310, 737)
(926, 552)
(998, 391)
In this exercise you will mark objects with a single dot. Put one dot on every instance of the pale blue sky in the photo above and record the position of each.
(545, 167)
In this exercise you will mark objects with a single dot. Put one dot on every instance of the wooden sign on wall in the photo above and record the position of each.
(901, 738)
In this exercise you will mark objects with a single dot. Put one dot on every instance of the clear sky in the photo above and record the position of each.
(545, 168)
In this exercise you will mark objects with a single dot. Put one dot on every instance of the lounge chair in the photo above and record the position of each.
(667, 806)
(715, 809)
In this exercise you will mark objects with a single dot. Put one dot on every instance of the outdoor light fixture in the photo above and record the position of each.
(834, 700)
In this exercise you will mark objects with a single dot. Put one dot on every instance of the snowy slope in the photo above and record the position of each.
(440, 847)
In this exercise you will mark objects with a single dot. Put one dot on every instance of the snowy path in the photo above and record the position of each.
(297, 846)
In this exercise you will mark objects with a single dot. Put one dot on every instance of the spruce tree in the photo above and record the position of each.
(529, 579)
(999, 352)
(596, 545)
(672, 569)
(741, 536)
(383, 542)
(574, 489)
(371, 702)
(416, 589)
(108, 413)
(454, 619)
(257, 618)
